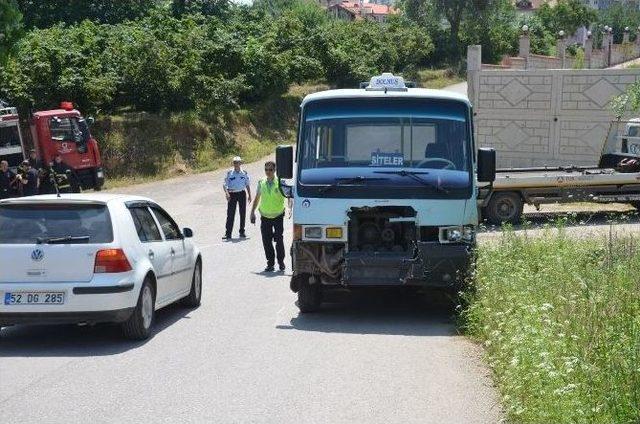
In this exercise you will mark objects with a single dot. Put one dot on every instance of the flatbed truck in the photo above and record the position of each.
(504, 199)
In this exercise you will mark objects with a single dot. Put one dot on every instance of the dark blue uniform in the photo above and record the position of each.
(31, 187)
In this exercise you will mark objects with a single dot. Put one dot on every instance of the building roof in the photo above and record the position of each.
(532, 4)
(355, 8)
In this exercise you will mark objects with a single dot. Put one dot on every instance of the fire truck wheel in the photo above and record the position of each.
(309, 297)
(504, 207)
(636, 205)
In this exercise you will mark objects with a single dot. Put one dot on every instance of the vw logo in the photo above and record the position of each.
(306, 203)
(37, 255)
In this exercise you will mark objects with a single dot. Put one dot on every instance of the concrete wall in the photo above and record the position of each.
(544, 117)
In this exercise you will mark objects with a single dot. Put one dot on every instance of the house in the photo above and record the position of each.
(356, 10)
(529, 6)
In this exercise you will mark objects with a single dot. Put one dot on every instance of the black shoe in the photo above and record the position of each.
(269, 269)
(243, 235)
(282, 267)
(226, 237)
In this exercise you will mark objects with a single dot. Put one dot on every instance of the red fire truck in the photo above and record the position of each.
(64, 131)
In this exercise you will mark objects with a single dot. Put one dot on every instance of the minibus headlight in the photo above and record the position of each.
(454, 234)
(313, 232)
(468, 234)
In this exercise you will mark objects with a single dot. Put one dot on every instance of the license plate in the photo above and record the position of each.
(34, 298)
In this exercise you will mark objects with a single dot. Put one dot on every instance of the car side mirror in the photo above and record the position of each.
(486, 165)
(90, 120)
(284, 162)
(187, 232)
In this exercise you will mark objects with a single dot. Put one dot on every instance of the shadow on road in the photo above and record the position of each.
(73, 340)
(381, 312)
(537, 220)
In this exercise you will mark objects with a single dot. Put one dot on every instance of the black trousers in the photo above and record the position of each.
(239, 198)
(271, 229)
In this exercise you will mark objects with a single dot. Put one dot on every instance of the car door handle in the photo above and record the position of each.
(151, 254)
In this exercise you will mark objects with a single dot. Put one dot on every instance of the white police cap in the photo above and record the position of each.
(237, 159)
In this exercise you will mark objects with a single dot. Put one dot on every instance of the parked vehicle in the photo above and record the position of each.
(89, 258)
(61, 131)
(385, 189)
(11, 144)
(503, 201)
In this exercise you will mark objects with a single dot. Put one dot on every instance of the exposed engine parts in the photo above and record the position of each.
(382, 229)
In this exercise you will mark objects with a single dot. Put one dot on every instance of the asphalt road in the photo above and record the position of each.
(246, 355)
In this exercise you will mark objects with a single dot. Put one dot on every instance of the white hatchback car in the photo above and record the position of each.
(88, 258)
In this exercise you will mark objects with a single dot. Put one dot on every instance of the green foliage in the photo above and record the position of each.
(618, 16)
(10, 27)
(628, 101)
(212, 64)
(493, 28)
(566, 15)
(543, 41)
(578, 59)
(560, 320)
(45, 13)
(488, 22)
(204, 7)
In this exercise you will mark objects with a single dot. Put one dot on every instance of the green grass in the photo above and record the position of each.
(560, 320)
(437, 78)
(143, 147)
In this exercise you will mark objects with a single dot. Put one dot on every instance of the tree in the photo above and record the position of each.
(618, 16)
(454, 11)
(493, 28)
(43, 14)
(566, 15)
(204, 7)
(10, 27)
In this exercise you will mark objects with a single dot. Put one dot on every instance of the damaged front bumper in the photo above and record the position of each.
(431, 264)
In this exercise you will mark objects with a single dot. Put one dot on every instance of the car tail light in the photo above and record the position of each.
(111, 261)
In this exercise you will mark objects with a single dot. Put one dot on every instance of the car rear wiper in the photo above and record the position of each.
(61, 240)
(349, 180)
(415, 175)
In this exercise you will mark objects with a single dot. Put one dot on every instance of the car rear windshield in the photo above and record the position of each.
(55, 224)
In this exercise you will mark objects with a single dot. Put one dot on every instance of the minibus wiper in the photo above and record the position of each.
(349, 180)
(60, 240)
(415, 175)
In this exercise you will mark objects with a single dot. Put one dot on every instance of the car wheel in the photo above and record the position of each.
(138, 326)
(195, 295)
(309, 297)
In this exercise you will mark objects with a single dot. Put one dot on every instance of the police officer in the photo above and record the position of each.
(271, 204)
(7, 180)
(236, 181)
(30, 180)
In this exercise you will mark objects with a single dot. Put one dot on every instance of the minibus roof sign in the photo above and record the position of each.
(387, 81)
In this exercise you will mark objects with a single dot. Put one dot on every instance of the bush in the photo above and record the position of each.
(560, 319)
(177, 62)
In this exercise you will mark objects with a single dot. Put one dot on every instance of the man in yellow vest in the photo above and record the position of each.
(271, 204)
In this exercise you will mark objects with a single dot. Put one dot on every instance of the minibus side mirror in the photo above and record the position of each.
(486, 165)
(284, 162)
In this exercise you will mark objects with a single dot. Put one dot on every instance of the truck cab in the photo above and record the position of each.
(11, 144)
(385, 189)
(66, 132)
